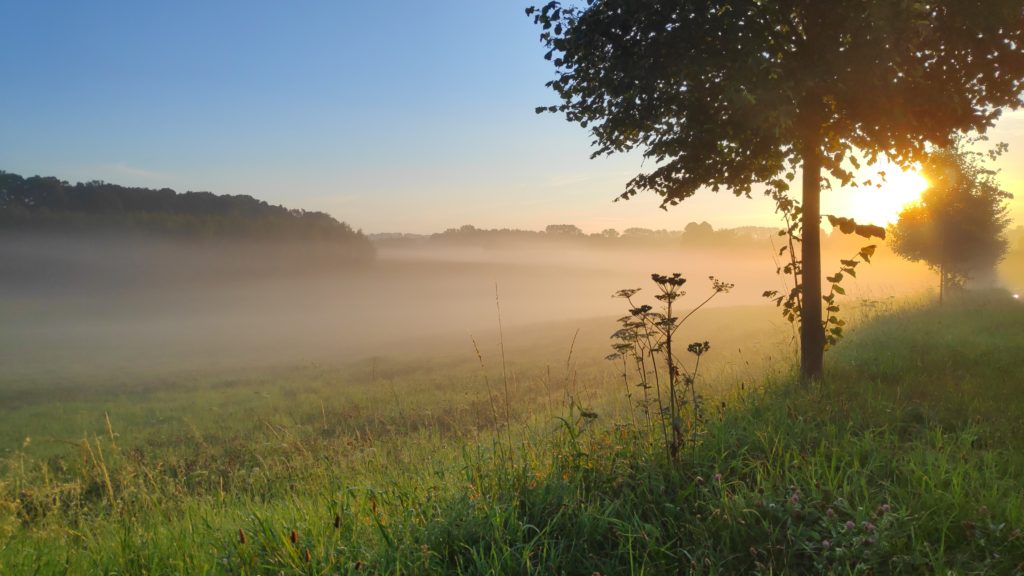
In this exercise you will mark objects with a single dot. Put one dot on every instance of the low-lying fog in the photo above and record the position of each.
(73, 307)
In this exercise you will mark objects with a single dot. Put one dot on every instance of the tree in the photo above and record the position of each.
(38, 204)
(563, 230)
(958, 226)
(740, 94)
(697, 233)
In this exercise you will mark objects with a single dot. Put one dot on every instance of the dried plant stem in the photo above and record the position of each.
(504, 372)
(629, 395)
(487, 383)
(657, 375)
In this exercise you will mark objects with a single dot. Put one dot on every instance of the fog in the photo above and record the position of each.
(75, 307)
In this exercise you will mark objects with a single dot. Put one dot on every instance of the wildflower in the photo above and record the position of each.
(867, 526)
(826, 544)
(719, 286)
(850, 525)
(675, 280)
(718, 477)
(639, 311)
(698, 348)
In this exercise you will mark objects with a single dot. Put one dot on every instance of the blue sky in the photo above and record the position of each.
(394, 116)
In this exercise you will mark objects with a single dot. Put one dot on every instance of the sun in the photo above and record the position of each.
(881, 205)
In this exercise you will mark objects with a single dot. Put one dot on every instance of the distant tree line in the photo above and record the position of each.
(693, 235)
(47, 204)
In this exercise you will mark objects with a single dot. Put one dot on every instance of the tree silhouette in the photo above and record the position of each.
(41, 204)
(958, 226)
(699, 233)
(568, 230)
(738, 94)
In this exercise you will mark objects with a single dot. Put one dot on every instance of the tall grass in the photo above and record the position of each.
(907, 460)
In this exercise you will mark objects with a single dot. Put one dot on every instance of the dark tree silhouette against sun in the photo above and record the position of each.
(744, 95)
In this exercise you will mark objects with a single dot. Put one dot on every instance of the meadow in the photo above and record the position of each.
(518, 453)
(234, 379)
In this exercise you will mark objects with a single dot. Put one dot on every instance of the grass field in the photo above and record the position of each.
(909, 459)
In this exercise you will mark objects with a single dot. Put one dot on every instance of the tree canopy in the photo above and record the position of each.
(958, 226)
(721, 93)
(741, 94)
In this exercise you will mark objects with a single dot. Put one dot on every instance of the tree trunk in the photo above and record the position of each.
(942, 282)
(812, 331)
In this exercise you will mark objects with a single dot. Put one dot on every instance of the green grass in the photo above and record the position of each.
(909, 459)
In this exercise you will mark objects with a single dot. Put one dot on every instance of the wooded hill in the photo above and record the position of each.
(47, 204)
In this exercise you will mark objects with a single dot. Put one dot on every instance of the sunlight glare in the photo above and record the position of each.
(882, 205)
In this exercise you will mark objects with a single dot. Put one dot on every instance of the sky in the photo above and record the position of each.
(394, 116)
